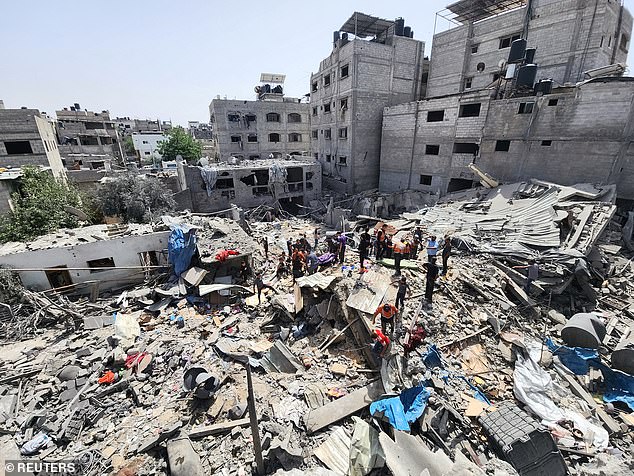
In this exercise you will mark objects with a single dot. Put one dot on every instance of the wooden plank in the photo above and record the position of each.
(345, 406)
(218, 428)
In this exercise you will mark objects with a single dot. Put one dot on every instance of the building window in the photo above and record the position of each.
(17, 147)
(146, 153)
(314, 134)
(316, 155)
(46, 145)
(625, 43)
(274, 137)
(469, 110)
(474, 48)
(315, 111)
(250, 117)
(236, 138)
(468, 82)
(431, 149)
(314, 86)
(328, 157)
(224, 183)
(343, 160)
(525, 108)
(425, 180)
(343, 133)
(327, 80)
(254, 157)
(327, 107)
(343, 104)
(502, 145)
(547, 143)
(294, 137)
(344, 71)
(435, 116)
(252, 138)
(327, 134)
(272, 117)
(294, 117)
(553, 102)
(609, 41)
(466, 148)
(233, 117)
(505, 42)
(145, 142)
(100, 263)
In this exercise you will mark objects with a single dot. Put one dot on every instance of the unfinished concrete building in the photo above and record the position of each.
(569, 37)
(575, 134)
(273, 126)
(127, 126)
(83, 133)
(27, 138)
(374, 63)
(292, 183)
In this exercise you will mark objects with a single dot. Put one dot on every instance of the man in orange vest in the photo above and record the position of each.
(388, 315)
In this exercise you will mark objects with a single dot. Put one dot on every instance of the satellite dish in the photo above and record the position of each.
(480, 67)
(501, 63)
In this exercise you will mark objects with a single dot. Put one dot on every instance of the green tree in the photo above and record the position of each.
(128, 146)
(179, 142)
(135, 198)
(41, 205)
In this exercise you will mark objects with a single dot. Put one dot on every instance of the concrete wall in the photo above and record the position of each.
(587, 132)
(146, 145)
(379, 75)
(230, 189)
(124, 251)
(571, 37)
(49, 139)
(224, 129)
(93, 132)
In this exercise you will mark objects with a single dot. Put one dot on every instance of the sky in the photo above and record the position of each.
(168, 59)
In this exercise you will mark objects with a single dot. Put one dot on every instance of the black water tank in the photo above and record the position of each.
(399, 24)
(411, 34)
(335, 37)
(344, 37)
(526, 76)
(530, 55)
(407, 31)
(545, 86)
(518, 49)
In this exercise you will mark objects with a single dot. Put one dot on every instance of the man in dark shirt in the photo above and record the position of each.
(341, 241)
(259, 285)
(364, 245)
(432, 274)
(446, 253)
(403, 289)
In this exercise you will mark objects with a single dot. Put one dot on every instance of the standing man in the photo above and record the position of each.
(341, 241)
(316, 236)
(298, 263)
(418, 234)
(432, 248)
(364, 245)
(446, 252)
(432, 274)
(380, 239)
(259, 284)
(532, 273)
(312, 262)
(289, 247)
(388, 315)
(403, 288)
(398, 250)
(265, 245)
(415, 245)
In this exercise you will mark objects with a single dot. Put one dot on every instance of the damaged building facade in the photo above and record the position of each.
(273, 126)
(374, 63)
(210, 189)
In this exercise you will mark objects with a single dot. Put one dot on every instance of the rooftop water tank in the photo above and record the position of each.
(518, 49)
(526, 76)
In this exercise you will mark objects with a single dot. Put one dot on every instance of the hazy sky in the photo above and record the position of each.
(168, 58)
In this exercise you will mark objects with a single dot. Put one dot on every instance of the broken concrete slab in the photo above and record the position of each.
(183, 460)
(218, 428)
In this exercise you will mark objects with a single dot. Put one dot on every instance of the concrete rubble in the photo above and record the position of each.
(488, 378)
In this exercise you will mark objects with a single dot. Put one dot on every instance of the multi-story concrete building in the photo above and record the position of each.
(146, 145)
(570, 37)
(210, 189)
(27, 138)
(381, 65)
(127, 126)
(84, 133)
(199, 130)
(580, 133)
(273, 126)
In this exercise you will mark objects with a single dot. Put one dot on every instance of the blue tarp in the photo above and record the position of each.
(402, 410)
(577, 359)
(432, 358)
(181, 247)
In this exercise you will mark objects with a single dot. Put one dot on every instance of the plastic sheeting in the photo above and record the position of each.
(365, 450)
(181, 247)
(402, 410)
(577, 359)
(209, 176)
(432, 358)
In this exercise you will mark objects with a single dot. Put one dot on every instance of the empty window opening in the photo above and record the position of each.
(237, 138)
(502, 145)
(431, 149)
(252, 138)
(327, 134)
(274, 137)
(230, 194)
(224, 183)
(251, 117)
(425, 180)
(100, 263)
(553, 102)
(343, 160)
(343, 104)
(59, 277)
(327, 107)
(625, 43)
(456, 184)
(547, 143)
(309, 185)
(248, 180)
(148, 258)
(525, 108)
(316, 155)
(233, 117)
(345, 71)
(328, 157)
(468, 82)
(263, 190)
(505, 42)
(294, 174)
(309, 175)
(272, 117)
(254, 157)
(602, 38)
(315, 111)
(261, 176)
(314, 86)
(609, 41)
(88, 140)
(16, 147)
(469, 110)
(314, 134)
(435, 116)
(294, 137)
(343, 133)
(327, 80)
(474, 48)
(466, 148)
(294, 117)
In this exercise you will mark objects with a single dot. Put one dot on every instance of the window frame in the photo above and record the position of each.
(502, 145)
(347, 68)
(269, 115)
(424, 178)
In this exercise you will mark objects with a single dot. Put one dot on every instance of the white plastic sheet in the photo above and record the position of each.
(365, 450)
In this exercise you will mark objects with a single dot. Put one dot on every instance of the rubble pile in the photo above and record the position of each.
(204, 371)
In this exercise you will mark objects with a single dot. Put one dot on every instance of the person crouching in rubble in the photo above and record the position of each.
(259, 284)
(388, 315)
(432, 274)
(532, 273)
(282, 269)
(381, 343)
